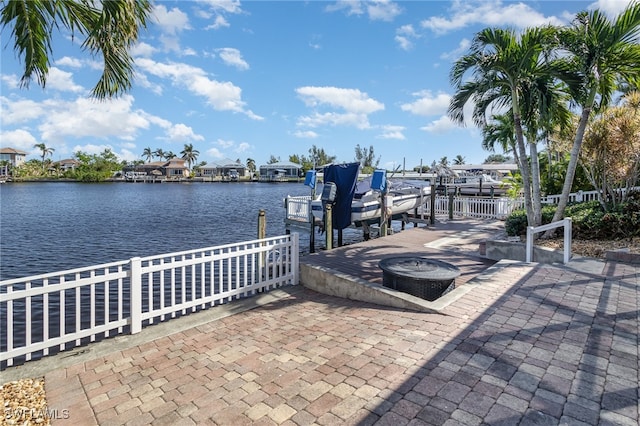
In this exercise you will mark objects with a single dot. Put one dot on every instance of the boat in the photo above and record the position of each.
(403, 196)
(482, 184)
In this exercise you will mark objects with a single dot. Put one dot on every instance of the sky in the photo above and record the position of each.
(256, 79)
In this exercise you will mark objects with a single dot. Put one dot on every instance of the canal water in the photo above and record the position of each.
(48, 227)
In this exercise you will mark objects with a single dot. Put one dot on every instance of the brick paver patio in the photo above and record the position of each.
(533, 344)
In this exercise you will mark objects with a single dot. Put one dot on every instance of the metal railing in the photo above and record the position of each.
(53, 312)
(532, 231)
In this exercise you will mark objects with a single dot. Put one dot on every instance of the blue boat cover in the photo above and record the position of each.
(345, 176)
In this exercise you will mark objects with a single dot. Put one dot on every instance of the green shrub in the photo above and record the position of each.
(589, 220)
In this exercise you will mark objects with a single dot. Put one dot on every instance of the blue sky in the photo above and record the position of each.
(253, 79)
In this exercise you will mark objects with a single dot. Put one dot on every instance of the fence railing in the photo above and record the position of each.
(45, 314)
(479, 207)
(532, 231)
(298, 208)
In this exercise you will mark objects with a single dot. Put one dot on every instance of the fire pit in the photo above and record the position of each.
(421, 277)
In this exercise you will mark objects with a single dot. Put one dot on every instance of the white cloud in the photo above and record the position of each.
(62, 81)
(225, 144)
(611, 8)
(229, 6)
(488, 13)
(462, 48)
(10, 80)
(404, 36)
(19, 139)
(392, 132)
(233, 57)
(441, 125)
(222, 96)
(308, 134)
(217, 9)
(143, 49)
(243, 147)
(91, 148)
(351, 100)
(182, 133)
(215, 153)
(66, 61)
(171, 21)
(383, 10)
(427, 104)
(219, 22)
(355, 104)
(20, 111)
(377, 10)
(87, 118)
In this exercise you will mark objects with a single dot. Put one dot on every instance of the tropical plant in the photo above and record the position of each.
(169, 155)
(251, 165)
(511, 71)
(318, 157)
(189, 154)
(110, 28)
(148, 154)
(604, 53)
(160, 154)
(611, 151)
(459, 160)
(44, 152)
(367, 158)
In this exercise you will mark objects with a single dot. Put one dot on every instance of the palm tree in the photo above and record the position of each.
(459, 160)
(45, 151)
(509, 72)
(603, 52)
(160, 153)
(110, 28)
(169, 155)
(148, 154)
(251, 165)
(189, 154)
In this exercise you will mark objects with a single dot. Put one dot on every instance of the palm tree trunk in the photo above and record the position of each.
(571, 168)
(535, 183)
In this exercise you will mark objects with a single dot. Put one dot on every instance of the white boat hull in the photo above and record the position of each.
(369, 208)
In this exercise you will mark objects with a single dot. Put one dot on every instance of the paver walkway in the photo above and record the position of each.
(533, 344)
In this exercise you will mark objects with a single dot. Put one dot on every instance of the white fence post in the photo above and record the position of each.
(135, 295)
(295, 258)
(529, 244)
(567, 239)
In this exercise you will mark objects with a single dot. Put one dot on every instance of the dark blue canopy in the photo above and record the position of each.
(345, 176)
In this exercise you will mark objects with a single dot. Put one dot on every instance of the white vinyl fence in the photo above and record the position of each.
(44, 314)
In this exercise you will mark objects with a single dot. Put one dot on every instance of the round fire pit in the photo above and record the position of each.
(421, 277)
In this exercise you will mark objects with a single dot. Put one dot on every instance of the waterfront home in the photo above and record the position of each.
(174, 168)
(64, 165)
(281, 171)
(221, 169)
(15, 157)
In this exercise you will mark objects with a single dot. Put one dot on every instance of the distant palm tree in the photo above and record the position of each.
(160, 153)
(148, 154)
(189, 154)
(251, 165)
(45, 150)
(459, 160)
(169, 155)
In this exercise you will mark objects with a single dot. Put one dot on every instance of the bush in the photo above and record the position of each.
(590, 221)
(516, 223)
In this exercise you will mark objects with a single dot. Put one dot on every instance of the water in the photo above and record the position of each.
(48, 227)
